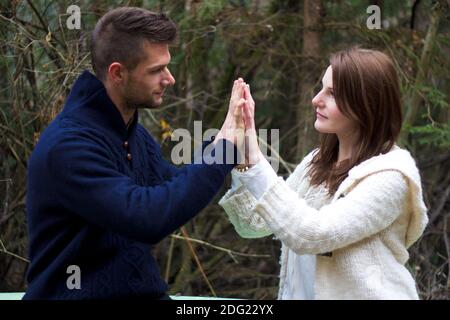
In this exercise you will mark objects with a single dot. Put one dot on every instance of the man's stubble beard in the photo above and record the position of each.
(132, 101)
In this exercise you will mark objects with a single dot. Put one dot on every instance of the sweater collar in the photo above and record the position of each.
(89, 102)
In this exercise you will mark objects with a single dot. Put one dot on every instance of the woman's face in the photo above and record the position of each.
(329, 119)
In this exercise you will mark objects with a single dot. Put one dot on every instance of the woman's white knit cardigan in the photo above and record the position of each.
(375, 215)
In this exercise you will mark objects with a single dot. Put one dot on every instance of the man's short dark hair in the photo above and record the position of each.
(121, 34)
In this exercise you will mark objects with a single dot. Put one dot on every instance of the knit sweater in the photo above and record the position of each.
(360, 237)
(100, 195)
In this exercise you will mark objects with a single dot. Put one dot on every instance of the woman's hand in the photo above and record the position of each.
(252, 152)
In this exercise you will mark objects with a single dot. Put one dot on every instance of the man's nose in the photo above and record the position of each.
(168, 80)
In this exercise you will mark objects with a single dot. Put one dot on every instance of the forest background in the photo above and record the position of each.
(282, 49)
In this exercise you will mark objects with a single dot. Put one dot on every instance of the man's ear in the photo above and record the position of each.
(116, 73)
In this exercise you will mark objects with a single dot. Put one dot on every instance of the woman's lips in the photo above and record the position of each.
(321, 115)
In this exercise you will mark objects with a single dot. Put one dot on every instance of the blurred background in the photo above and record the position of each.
(282, 49)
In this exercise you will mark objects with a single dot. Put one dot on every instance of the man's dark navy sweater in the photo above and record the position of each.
(100, 195)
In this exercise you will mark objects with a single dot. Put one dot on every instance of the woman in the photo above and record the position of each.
(351, 209)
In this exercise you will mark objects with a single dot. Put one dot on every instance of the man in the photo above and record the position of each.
(99, 192)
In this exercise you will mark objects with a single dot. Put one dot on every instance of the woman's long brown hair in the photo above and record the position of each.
(366, 90)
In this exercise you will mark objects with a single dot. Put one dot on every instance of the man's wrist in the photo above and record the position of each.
(217, 138)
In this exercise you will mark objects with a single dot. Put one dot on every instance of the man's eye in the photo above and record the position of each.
(157, 71)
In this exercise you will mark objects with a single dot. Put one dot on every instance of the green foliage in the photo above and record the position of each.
(433, 135)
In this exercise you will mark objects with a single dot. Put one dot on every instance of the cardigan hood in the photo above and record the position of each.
(400, 160)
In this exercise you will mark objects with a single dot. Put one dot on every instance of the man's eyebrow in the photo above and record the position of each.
(156, 67)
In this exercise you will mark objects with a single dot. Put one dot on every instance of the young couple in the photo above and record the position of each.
(100, 194)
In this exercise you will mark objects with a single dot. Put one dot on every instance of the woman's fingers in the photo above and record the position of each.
(252, 150)
(241, 121)
(248, 117)
(249, 98)
(249, 110)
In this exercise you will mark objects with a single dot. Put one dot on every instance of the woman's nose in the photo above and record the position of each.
(317, 101)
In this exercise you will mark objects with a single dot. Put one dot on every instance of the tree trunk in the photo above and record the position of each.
(310, 73)
(421, 77)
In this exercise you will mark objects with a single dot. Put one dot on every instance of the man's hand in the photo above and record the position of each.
(233, 127)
